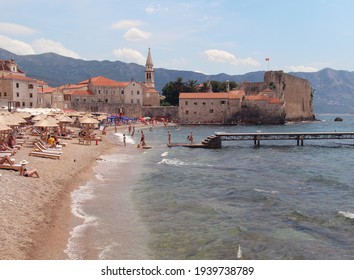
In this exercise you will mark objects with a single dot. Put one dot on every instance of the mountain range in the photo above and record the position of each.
(334, 89)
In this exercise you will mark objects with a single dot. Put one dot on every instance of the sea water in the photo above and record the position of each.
(278, 201)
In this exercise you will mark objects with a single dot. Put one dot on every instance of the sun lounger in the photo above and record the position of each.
(45, 155)
(16, 167)
(39, 147)
(44, 147)
(6, 153)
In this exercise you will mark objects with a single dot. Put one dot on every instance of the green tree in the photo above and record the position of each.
(191, 86)
(171, 92)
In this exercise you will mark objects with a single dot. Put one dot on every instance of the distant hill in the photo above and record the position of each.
(334, 89)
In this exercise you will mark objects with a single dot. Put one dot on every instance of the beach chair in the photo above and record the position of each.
(15, 166)
(40, 148)
(45, 155)
(6, 153)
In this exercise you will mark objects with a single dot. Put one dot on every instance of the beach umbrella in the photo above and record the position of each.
(4, 127)
(45, 123)
(88, 120)
(39, 117)
(65, 119)
(24, 115)
(9, 120)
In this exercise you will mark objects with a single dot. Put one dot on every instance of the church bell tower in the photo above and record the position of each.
(149, 72)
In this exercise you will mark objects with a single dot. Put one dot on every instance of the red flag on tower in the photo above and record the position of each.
(267, 59)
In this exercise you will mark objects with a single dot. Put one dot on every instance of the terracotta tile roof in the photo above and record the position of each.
(273, 100)
(4, 66)
(13, 76)
(47, 89)
(80, 92)
(257, 98)
(237, 94)
(103, 81)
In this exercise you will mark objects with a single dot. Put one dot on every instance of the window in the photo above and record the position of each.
(31, 104)
(132, 101)
(204, 103)
(30, 86)
(187, 112)
(186, 102)
(138, 92)
(17, 94)
(0, 94)
(23, 104)
(195, 112)
(106, 100)
(99, 91)
(77, 99)
(17, 85)
(195, 103)
(122, 92)
(31, 95)
(84, 100)
(211, 111)
(5, 94)
(223, 102)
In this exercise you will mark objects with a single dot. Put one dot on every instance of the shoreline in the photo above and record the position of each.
(36, 212)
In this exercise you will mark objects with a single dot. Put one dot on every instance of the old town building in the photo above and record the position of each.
(16, 90)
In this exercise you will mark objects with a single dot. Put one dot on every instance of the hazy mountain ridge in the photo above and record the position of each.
(334, 89)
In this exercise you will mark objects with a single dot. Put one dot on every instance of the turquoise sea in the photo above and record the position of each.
(278, 201)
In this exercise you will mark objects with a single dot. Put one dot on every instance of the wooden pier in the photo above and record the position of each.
(214, 141)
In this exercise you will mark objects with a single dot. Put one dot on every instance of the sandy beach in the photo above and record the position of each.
(35, 212)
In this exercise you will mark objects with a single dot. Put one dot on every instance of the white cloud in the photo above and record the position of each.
(135, 34)
(15, 46)
(151, 9)
(126, 23)
(302, 68)
(221, 56)
(45, 45)
(16, 29)
(129, 55)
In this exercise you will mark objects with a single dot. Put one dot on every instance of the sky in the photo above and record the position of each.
(215, 36)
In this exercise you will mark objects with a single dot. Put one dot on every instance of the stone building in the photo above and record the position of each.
(16, 89)
(96, 94)
(209, 107)
(296, 93)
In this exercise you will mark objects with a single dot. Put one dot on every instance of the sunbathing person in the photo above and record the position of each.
(24, 171)
(6, 159)
(4, 147)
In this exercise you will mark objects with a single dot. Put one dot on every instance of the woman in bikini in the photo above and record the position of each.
(24, 171)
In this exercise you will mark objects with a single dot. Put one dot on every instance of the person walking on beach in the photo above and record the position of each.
(124, 140)
(130, 129)
(169, 137)
(133, 131)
